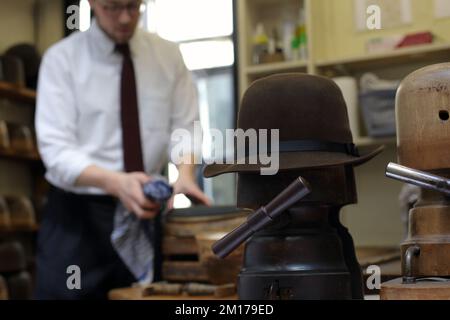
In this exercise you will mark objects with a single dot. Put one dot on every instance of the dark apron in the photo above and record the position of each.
(75, 231)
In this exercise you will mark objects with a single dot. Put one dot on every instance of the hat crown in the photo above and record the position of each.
(301, 106)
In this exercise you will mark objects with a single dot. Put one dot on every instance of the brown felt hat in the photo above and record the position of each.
(311, 115)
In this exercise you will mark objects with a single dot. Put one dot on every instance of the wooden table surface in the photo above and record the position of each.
(427, 290)
(136, 294)
(388, 259)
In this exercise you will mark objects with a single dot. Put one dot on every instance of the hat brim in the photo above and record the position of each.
(298, 160)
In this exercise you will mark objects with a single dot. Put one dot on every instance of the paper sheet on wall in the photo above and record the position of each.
(394, 13)
(441, 9)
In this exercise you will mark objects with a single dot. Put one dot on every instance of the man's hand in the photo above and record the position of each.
(125, 186)
(128, 188)
(186, 185)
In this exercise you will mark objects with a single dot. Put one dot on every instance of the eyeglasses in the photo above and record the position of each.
(114, 8)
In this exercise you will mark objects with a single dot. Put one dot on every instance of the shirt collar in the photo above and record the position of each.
(105, 44)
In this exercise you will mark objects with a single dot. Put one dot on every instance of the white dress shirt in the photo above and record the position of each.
(78, 104)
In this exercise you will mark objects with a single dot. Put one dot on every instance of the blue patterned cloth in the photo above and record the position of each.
(131, 238)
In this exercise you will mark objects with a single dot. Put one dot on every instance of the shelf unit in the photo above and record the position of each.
(11, 155)
(21, 173)
(414, 54)
(26, 229)
(378, 211)
(270, 68)
(13, 92)
(249, 13)
(268, 11)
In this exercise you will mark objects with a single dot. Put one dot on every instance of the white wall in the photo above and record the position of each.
(33, 21)
(49, 23)
(376, 219)
(16, 22)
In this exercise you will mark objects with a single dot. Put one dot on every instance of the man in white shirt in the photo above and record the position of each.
(92, 86)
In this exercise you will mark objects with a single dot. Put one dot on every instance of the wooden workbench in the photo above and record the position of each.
(136, 294)
(388, 259)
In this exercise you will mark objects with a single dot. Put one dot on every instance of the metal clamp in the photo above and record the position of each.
(411, 253)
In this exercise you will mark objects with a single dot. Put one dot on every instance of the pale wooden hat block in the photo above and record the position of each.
(423, 140)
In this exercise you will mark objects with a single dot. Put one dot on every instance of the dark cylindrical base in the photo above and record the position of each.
(301, 258)
(294, 286)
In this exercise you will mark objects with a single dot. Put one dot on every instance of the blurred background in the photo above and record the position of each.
(227, 45)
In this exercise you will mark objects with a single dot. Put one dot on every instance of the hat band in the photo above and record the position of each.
(308, 146)
(311, 146)
(315, 145)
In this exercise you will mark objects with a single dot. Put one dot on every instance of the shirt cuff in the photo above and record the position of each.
(69, 167)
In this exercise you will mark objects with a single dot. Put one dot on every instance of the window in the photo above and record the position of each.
(85, 15)
(204, 30)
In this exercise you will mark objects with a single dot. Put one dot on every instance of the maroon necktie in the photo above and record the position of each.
(132, 148)
(131, 137)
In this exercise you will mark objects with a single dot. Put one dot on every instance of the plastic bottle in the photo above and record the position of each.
(303, 36)
(300, 40)
(288, 31)
(260, 43)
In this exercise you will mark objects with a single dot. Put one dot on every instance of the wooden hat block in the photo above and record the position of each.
(423, 140)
